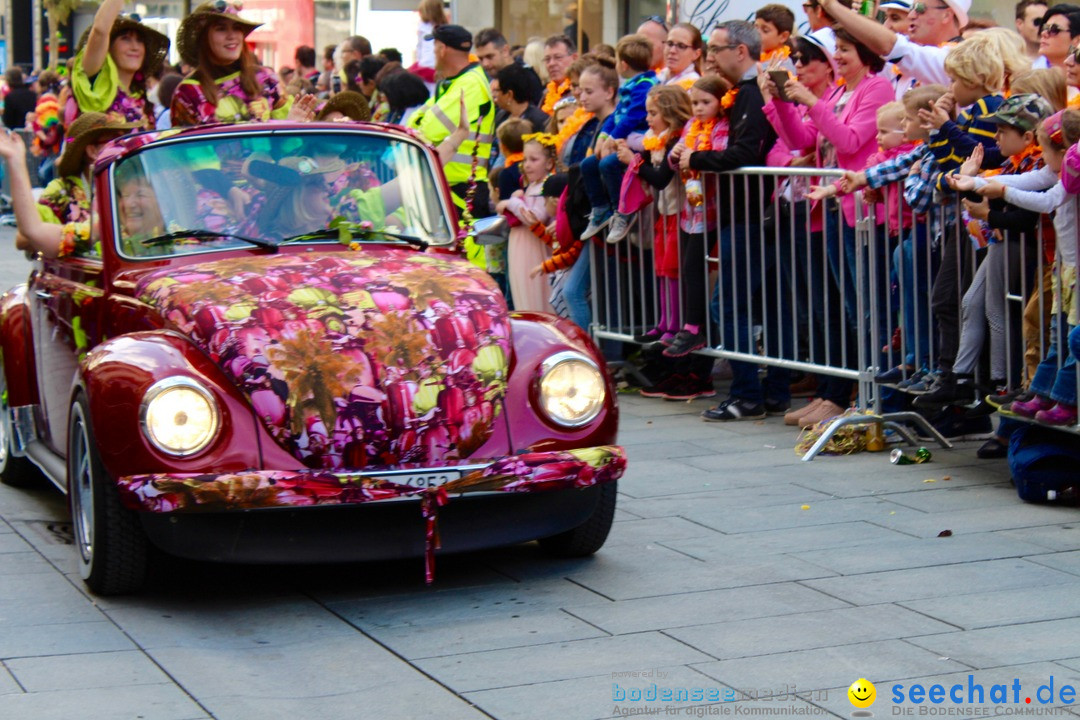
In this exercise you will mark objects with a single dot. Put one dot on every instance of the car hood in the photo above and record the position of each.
(351, 360)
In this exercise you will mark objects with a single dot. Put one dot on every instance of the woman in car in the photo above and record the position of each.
(228, 84)
(113, 61)
(58, 223)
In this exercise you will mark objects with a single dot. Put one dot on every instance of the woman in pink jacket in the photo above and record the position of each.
(841, 128)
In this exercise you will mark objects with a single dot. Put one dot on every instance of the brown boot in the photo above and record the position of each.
(792, 417)
(827, 409)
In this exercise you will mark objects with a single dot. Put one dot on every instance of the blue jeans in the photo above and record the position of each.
(1058, 385)
(576, 290)
(914, 276)
(603, 181)
(843, 264)
(740, 257)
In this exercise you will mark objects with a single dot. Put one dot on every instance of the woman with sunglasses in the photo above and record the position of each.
(113, 61)
(1058, 33)
(682, 56)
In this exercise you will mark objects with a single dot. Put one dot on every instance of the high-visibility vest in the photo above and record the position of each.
(438, 117)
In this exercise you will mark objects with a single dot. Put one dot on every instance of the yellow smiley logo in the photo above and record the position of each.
(862, 693)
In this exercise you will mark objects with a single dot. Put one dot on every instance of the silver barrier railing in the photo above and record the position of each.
(816, 287)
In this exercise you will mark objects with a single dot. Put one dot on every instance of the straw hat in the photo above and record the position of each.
(191, 27)
(349, 103)
(157, 44)
(87, 128)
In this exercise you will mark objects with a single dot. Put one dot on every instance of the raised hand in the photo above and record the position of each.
(973, 164)
(12, 147)
(303, 109)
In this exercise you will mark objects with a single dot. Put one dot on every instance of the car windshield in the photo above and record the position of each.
(256, 190)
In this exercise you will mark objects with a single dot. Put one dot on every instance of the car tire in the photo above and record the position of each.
(109, 539)
(589, 536)
(15, 471)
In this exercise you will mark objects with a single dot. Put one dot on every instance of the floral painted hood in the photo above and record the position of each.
(351, 360)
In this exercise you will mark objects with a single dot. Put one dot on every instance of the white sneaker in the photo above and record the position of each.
(620, 226)
(595, 225)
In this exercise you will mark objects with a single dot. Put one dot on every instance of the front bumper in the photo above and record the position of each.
(218, 496)
(259, 489)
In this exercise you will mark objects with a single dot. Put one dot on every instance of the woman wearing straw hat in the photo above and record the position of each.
(60, 223)
(113, 60)
(228, 84)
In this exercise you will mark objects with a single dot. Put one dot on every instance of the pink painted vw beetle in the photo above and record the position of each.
(268, 349)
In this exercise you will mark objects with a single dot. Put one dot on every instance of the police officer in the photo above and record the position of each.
(467, 169)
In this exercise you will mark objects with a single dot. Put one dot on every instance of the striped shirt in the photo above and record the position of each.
(954, 141)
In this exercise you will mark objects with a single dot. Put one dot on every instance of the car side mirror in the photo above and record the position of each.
(491, 230)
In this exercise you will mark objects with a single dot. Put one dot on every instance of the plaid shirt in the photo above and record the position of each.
(920, 191)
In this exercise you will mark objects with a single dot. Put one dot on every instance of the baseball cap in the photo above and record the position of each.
(452, 36)
(904, 5)
(1024, 111)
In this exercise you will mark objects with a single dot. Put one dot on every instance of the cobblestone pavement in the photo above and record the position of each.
(732, 567)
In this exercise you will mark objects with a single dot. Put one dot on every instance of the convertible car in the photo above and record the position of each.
(265, 347)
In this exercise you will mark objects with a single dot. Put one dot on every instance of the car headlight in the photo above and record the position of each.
(572, 389)
(179, 416)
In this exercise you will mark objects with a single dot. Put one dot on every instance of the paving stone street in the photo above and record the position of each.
(732, 567)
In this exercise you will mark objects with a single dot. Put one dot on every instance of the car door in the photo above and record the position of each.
(67, 297)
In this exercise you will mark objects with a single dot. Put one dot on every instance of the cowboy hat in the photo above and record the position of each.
(157, 44)
(291, 171)
(87, 128)
(192, 27)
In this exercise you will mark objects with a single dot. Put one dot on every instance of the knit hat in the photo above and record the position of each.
(192, 27)
(157, 44)
(87, 128)
(1023, 112)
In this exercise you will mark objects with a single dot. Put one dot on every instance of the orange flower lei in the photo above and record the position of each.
(699, 137)
(655, 142)
(729, 98)
(554, 94)
(512, 158)
(783, 52)
(571, 126)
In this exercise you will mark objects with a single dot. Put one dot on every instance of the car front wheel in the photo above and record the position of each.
(111, 543)
(589, 536)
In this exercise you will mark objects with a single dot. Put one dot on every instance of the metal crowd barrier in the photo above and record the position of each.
(800, 291)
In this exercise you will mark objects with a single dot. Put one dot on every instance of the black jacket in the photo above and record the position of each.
(751, 137)
(18, 102)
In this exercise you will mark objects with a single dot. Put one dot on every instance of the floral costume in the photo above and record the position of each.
(66, 202)
(190, 106)
(103, 93)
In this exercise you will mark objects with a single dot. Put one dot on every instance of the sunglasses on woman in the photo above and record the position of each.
(1052, 30)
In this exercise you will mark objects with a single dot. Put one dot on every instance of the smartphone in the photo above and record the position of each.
(780, 77)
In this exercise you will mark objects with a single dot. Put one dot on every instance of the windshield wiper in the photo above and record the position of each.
(335, 232)
(207, 234)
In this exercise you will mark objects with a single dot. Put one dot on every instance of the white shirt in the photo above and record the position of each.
(925, 63)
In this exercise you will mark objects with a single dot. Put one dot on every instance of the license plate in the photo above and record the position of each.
(430, 479)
